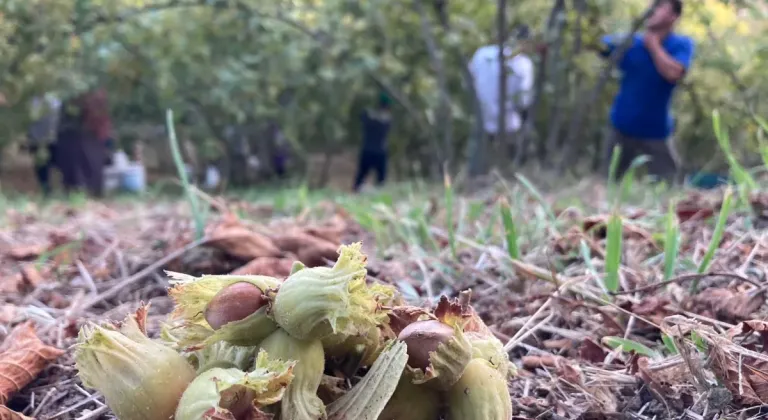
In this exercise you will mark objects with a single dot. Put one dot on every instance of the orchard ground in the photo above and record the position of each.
(639, 304)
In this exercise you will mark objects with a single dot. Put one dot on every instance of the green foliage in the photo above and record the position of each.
(613, 252)
(510, 230)
(629, 346)
(671, 243)
(313, 66)
(717, 236)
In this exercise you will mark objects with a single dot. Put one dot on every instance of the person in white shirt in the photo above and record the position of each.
(485, 68)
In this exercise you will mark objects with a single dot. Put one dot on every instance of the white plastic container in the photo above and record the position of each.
(134, 178)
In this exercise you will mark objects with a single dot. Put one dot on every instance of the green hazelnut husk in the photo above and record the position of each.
(480, 393)
(412, 402)
(300, 401)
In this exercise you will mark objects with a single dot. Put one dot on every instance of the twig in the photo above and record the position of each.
(514, 342)
(86, 276)
(94, 414)
(43, 402)
(687, 277)
(114, 290)
(76, 406)
(427, 279)
(520, 335)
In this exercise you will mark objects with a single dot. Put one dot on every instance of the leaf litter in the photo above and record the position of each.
(653, 349)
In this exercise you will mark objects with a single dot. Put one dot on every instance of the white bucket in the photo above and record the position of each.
(133, 178)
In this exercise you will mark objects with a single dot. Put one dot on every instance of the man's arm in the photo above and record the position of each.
(673, 65)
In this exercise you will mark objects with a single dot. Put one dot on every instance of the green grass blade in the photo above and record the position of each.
(629, 177)
(537, 195)
(669, 343)
(761, 139)
(743, 178)
(699, 342)
(510, 232)
(629, 345)
(613, 252)
(194, 205)
(717, 236)
(449, 214)
(613, 169)
(671, 243)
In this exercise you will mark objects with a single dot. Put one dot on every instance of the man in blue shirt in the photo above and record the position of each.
(652, 67)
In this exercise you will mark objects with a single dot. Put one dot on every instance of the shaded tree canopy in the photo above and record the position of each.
(311, 65)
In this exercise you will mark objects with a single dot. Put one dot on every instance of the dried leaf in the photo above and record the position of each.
(241, 242)
(695, 207)
(403, 316)
(26, 252)
(8, 313)
(558, 344)
(540, 361)
(32, 276)
(22, 357)
(654, 308)
(667, 381)
(747, 327)
(746, 377)
(266, 266)
(296, 239)
(330, 234)
(319, 254)
(448, 309)
(727, 305)
(591, 351)
(12, 283)
(759, 202)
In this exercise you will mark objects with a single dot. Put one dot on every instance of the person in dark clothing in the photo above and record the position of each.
(41, 137)
(373, 155)
(97, 130)
(84, 128)
(68, 140)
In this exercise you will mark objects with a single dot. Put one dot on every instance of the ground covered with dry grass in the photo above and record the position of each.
(642, 305)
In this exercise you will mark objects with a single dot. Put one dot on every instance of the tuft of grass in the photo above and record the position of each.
(510, 232)
(717, 237)
(194, 205)
(743, 178)
(539, 197)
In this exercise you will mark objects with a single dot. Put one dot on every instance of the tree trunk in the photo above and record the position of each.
(552, 31)
(501, 27)
(444, 118)
(557, 111)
